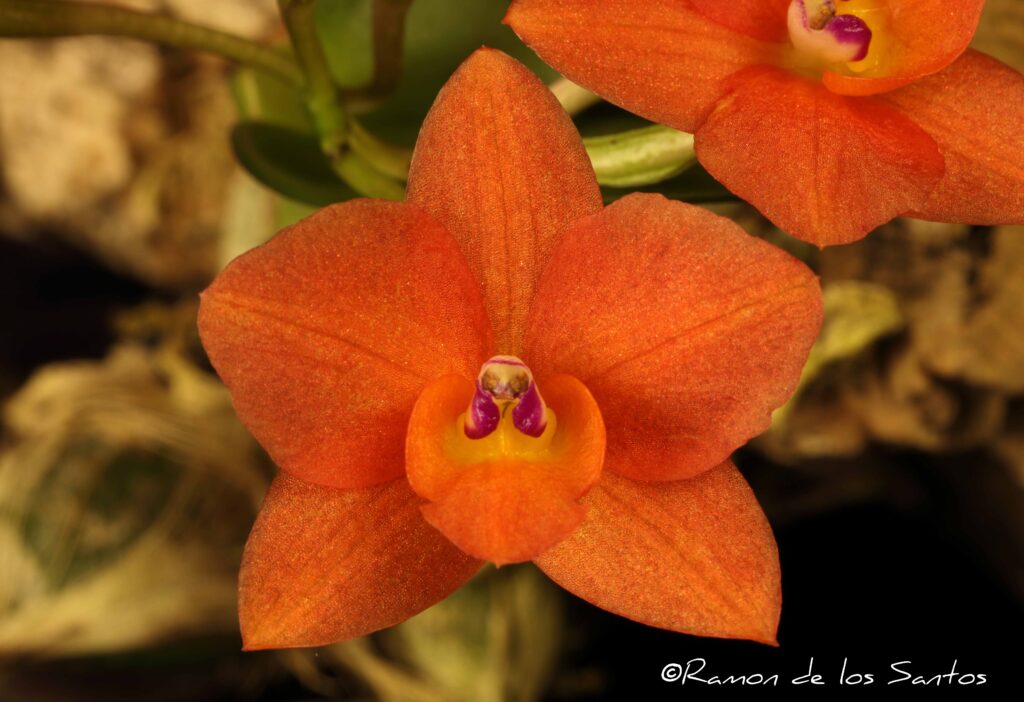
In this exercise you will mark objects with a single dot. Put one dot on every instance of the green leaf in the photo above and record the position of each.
(440, 35)
(640, 156)
(261, 97)
(276, 141)
(693, 185)
(289, 162)
(857, 314)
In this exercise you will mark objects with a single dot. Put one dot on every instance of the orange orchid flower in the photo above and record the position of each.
(829, 116)
(500, 369)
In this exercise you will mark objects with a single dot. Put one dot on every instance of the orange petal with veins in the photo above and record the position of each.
(322, 564)
(505, 498)
(974, 109)
(694, 556)
(824, 167)
(326, 335)
(920, 37)
(760, 19)
(658, 58)
(687, 331)
(501, 165)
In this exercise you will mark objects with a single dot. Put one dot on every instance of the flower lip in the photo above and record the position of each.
(816, 28)
(505, 382)
(506, 497)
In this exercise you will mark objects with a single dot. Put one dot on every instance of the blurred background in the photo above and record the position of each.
(894, 479)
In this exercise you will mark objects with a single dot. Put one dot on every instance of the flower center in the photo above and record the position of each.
(830, 33)
(498, 492)
(505, 389)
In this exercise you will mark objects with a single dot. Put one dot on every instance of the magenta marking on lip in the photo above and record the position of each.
(484, 414)
(818, 30)
(528, 415)
(850, 29)
(501, 389)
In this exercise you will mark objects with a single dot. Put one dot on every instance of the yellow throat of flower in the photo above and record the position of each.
(844, 36)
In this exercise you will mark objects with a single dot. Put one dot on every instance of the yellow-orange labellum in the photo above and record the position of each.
(506, 497)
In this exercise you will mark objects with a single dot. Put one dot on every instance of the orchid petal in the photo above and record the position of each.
(825, 168)
(660, 58)
(322, 564)
(975, 112)
(760, 19)
(694, 556)
(919, 37)
(687, 331)
(326, 335)
(501, 165)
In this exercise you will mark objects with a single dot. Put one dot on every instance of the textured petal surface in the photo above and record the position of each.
(686, 330)
(501, 165)
(509, 507)
(918, 38)
(659, 58)
(694, 556)
(326, 335)
(825, 168)
(761, 19)
(975, 111)
(323, 564)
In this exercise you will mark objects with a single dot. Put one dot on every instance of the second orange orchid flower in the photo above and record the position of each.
(829, 116)
(500, 369)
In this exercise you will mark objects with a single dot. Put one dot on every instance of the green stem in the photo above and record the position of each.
(366, 178)
(573, 98)
(627, 159)
(322, 96)
(388, 38)
(390, 160)
(362, 161)
(388, 45)
(57, 18)
(641, 156)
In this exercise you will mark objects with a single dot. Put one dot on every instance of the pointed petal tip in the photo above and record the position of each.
(511, 14)
(257, 638)
(691, 556)
(500, 164)
(250, 645)
(495, 58)
(324, 565)
(767, 637)
(255, 641)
